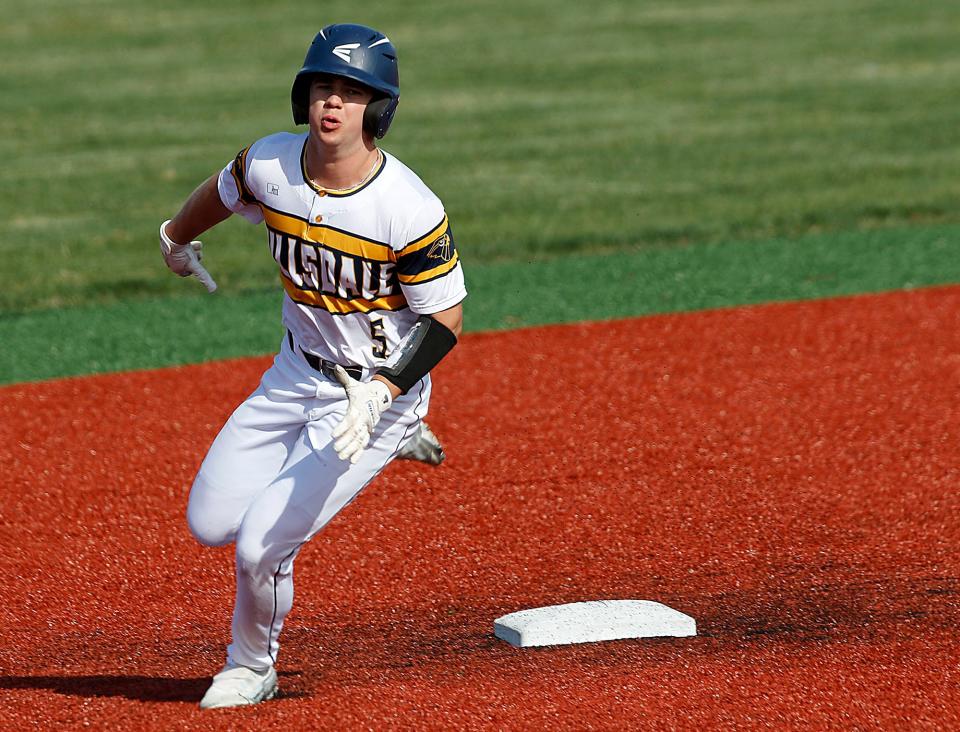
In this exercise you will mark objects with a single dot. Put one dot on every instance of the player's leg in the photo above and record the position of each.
(246, 456)
(313, 486)
(423, 446)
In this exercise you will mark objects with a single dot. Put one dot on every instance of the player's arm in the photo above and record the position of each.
(201, 211)
(435, 344)
(452, 318)
(429, 274)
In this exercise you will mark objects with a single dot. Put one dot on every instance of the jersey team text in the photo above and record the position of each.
(357, 266)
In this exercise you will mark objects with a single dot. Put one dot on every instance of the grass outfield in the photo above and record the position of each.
(547, 126)
(199, 327)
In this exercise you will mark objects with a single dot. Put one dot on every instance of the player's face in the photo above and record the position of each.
(336, 109)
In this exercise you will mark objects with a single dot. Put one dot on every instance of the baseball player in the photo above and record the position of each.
(373, 292)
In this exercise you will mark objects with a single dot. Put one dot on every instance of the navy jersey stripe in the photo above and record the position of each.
(425, 258)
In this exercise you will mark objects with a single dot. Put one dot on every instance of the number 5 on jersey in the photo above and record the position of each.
(378, 337)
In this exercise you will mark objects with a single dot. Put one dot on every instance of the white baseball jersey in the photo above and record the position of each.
(358, 266)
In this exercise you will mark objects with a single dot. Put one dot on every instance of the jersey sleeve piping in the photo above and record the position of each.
(239, 172)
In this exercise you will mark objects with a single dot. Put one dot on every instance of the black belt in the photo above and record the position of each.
(324, 366)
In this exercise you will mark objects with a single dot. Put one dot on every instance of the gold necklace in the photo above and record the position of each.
(376, 164)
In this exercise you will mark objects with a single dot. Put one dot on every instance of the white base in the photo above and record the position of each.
(588, 622)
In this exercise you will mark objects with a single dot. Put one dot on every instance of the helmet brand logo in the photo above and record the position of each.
(344, 51)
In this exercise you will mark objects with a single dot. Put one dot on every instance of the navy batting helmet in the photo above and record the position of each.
(354, 52)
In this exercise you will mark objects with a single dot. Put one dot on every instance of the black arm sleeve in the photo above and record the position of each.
(423, 347)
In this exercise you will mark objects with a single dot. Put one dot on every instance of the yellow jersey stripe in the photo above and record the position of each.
(328, 237)
(425, 240)
(339, 305)
(430, 273)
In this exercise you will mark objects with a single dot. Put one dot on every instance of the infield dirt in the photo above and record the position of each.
(786, 474)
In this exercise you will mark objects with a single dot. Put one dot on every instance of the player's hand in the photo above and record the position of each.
(184, 259)
(366, 401)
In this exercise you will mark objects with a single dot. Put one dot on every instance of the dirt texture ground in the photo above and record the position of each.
(786, 474)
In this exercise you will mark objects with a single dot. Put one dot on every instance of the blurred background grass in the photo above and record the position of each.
(548, 128)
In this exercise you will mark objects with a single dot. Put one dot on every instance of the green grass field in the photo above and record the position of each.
(683, 136)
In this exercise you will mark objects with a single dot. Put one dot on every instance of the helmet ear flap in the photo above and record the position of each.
(300, 100)
(378, 115)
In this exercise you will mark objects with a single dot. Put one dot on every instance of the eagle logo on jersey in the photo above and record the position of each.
(441, 248)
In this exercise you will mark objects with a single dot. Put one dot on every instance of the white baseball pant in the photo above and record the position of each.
(271, 480)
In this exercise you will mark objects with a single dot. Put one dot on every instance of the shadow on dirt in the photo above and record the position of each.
(140, 688)
(137, 688)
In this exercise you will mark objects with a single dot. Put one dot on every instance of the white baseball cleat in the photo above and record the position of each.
(423, 446)
(237, 686)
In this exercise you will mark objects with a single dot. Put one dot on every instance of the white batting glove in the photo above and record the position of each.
(366, 401)
(184, 259)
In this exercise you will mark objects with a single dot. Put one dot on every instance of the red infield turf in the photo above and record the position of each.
(787, 474)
